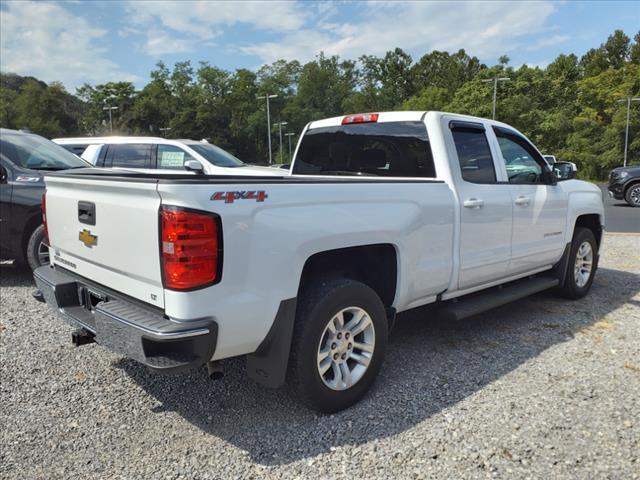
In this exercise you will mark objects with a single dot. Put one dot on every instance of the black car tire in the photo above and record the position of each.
(570, 287)
(33, 255)
(318, 304)
(632, 195)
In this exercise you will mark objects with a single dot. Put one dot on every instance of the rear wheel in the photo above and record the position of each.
(583, 262)
(37, 251)
(633, 195)
(339, 343)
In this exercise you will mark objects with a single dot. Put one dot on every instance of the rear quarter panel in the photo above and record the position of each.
(266, 245)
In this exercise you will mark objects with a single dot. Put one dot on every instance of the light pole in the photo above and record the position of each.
(626, 132)
(290, 134)
(280, 128)
(165, 129)
(110, 119)
(495, 81)
(267, 97)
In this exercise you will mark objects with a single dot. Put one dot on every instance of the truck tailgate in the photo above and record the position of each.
(107, 231)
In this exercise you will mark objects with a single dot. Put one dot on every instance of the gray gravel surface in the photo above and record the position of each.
(541, 389)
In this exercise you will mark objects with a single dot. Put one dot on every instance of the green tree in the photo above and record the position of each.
(431, 98)
(634, 51)
(112, 94)
(440, 69)
(44, 109)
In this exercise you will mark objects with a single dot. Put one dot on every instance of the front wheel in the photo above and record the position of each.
(339, 343)
(37, 251)
(583, 262)
(633, 195)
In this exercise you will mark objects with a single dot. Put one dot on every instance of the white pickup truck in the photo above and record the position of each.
(304, 274)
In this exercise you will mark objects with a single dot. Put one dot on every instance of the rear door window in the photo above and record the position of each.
(129, 156)
(474, 155)
(389, 149)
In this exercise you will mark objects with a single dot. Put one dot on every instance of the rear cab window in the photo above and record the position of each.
(388, 149)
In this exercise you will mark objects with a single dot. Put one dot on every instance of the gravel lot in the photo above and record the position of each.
(543, 389)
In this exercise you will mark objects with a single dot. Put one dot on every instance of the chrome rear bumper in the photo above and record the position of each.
(130, 329)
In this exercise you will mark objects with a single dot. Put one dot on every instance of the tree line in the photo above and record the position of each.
(570, 108)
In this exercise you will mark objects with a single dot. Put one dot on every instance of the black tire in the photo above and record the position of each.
(570, 288)
(632, 195)
(317, 305)
(33, 256)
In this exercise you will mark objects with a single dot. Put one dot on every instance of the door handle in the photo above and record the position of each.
(473, 203)
(522, 200)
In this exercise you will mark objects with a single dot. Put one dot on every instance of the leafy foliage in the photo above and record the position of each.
(571, 108)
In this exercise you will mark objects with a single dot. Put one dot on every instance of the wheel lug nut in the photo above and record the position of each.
(344, 355)
(339, 336)
(350, 346)
(335, 356)
(346, 335)
(333, 346)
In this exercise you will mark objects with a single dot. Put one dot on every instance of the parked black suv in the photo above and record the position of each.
(24, 158)
(624, 184)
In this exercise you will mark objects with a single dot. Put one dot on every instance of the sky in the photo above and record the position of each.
(95, 42)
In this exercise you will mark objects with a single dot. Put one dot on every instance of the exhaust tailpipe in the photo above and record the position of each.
(215, 370)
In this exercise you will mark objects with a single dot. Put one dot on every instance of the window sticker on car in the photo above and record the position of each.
(172, 159)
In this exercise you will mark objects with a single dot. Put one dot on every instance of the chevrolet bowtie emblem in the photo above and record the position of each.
(89, 240)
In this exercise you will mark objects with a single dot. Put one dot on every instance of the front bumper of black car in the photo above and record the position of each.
(616, 190)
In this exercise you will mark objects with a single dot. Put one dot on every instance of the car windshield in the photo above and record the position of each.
(215, 155)
(37, 153)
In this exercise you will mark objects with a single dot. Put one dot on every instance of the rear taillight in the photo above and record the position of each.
(360, 118)
(190, 248)
(44, 217)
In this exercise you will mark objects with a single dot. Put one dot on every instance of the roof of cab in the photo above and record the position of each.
(401, 116)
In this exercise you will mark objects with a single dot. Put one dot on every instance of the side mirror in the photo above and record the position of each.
(548, 176)
(194, 166)
(565, 170)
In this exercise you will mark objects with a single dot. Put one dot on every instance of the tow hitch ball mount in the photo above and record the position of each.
(82, 337)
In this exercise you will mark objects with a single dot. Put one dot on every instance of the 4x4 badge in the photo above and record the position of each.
(230, 197)
(89, 240)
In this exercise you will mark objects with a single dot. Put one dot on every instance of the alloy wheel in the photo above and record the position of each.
(583, 264)
(346, 348)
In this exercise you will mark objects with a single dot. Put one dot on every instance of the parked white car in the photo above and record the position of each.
(158, 153)
(304, 274)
